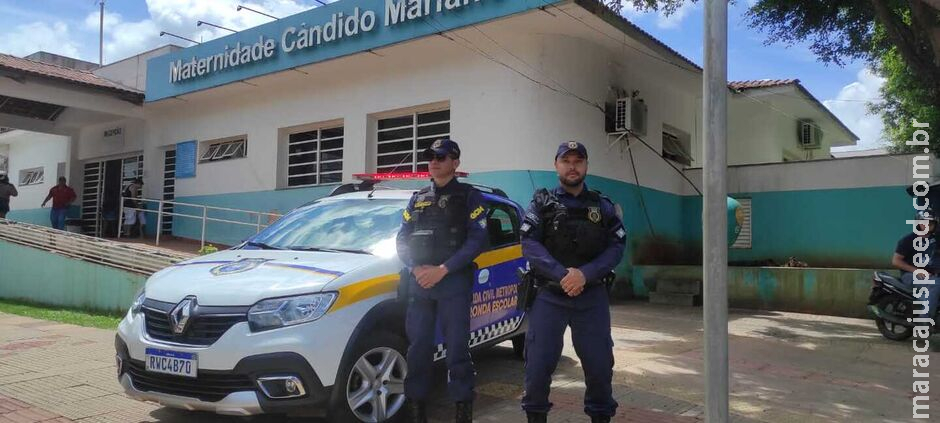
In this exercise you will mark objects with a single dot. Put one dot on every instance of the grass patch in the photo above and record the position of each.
(71, 316)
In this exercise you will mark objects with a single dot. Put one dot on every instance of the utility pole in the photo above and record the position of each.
(714, 211)
(101, 36)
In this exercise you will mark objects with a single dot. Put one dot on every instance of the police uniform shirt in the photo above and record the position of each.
(542, 261)
(458, 264)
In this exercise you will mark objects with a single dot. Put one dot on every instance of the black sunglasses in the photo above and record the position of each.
(440, 157)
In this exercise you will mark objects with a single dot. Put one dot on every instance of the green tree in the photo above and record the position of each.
(900, 39)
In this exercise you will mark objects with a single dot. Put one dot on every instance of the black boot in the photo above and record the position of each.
(600, 419)
(464, 412)
(417, 412)
(537, 417)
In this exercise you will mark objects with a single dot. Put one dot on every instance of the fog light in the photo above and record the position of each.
(120, 364)
(281, 387)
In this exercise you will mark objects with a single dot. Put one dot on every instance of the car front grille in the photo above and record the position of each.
(206, 324)
(210, 386)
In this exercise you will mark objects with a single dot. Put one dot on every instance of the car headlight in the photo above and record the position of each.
(138, 302)
(280, 312)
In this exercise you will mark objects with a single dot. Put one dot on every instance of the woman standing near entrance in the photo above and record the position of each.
(7, 190)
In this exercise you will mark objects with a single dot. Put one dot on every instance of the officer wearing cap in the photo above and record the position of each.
(573, 238)
(443, 230)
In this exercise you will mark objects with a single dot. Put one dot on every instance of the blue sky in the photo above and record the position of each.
(70, 27)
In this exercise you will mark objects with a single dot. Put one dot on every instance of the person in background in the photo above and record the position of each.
(62, 197)
(7, 190)
(132, 195)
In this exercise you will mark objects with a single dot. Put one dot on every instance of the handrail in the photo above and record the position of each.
(131, 257)
(204, 217)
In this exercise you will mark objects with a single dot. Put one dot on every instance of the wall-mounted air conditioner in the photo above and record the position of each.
(627, 114)
(810, 136)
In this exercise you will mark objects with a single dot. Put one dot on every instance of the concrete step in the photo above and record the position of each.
(673, 299)
(679, 286)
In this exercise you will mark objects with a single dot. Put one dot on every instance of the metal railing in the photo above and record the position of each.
(204, 217)
(132, 257)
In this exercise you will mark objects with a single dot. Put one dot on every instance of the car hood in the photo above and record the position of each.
(244, 277)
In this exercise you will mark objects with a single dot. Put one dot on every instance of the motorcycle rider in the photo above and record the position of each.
(905, 256)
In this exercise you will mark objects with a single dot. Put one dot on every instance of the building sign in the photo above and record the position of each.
(186, 159)
(337, 29)
(113, 135)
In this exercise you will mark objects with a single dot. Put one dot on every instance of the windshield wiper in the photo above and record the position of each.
(261, 245)
(330, 250)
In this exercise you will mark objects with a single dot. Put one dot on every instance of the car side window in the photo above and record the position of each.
(502, 222)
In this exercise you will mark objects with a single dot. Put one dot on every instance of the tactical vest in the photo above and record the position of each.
(574, 235)
(440, 225)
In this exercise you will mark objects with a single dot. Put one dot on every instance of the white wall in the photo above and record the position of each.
(132, 72)
(502, 120)
(855, 172)
(30, 150)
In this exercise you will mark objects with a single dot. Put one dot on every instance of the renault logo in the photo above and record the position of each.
(180, 314)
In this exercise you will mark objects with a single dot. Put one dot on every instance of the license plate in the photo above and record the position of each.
(171, 362)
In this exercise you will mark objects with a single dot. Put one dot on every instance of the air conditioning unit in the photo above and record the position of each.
(810, 136)
(629, 114)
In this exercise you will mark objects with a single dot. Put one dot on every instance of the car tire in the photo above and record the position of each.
(373, 376)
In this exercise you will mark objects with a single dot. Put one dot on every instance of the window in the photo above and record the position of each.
(401, 138)
(744, 216)
(502, 224)
(315, 157)
(224, 150)
(31, 176)
(677, 145)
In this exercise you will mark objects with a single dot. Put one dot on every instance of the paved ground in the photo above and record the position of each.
(786, 367)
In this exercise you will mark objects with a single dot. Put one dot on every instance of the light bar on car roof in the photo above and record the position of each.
(399, 176)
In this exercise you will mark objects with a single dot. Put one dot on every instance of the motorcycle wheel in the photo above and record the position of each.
(893, 331)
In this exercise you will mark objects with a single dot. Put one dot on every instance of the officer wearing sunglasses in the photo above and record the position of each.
(443, 230)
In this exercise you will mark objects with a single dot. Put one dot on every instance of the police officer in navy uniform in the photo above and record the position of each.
(573, 238)
(443, 230)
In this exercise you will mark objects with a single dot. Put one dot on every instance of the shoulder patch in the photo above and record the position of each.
(525, 228)
(476, 212)
(406, 215)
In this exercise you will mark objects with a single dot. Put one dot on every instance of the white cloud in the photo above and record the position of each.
(180, 16)
(850, 106)
(674, 20)
(39, 36)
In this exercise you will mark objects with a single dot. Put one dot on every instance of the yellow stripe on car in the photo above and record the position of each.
(364, 290)
(385, 284)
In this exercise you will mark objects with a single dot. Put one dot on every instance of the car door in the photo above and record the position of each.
(494, 296)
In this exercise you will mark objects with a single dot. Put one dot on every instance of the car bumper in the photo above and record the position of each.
(233, 392)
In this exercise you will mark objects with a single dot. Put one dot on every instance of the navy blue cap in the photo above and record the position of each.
(571, 146)
(443, 146)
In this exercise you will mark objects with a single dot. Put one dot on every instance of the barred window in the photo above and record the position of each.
(32, 176)
(315, 157)
(402, 138)
(224, 150)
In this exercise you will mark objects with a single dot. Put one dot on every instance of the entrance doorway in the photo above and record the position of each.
(103, 183)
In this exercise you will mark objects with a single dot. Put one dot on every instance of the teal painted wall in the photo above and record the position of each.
(836, 292)
(39, 216)
(856, 227)
(39, 276)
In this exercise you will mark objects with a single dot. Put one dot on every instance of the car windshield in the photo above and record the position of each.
(356, 225)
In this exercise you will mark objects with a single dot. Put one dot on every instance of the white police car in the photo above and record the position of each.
(302, 319)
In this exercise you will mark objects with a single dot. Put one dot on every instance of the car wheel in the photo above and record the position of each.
(370, 387)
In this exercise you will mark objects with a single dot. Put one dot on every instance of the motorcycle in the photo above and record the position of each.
(891, 301)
